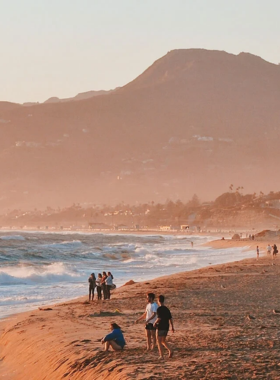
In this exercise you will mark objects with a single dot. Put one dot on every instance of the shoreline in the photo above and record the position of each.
(210, 308)
(149, 277)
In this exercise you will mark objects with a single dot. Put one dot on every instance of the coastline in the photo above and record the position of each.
(245, 243)
(170, 261)
(214, 337)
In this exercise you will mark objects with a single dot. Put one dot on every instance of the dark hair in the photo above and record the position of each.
(110, 274)
(93, 275)
(161, 298)
(99, 275)
(115, 326)
(104, 274)
(151, 295)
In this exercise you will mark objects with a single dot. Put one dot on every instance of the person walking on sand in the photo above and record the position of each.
(115, 339)
(164, 319)
(98, 286)
(268, 249)
(258, 252)
(150, 315)
(92, 285)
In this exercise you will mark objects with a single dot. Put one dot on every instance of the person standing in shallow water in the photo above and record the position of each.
(92, 285)
(268, 249)
(275, 250)
(150, 315)
(164, 319)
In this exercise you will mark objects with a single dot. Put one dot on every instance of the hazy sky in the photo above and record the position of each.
(62, 47)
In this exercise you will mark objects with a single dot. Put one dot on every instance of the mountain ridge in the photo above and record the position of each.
(205, 124)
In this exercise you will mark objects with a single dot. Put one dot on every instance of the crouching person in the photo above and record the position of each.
(115, 339)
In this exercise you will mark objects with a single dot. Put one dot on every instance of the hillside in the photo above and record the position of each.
(80, 96)
(194, 122)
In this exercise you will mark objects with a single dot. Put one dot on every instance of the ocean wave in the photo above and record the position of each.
(64, 244)
(56, 272)
(12, 237)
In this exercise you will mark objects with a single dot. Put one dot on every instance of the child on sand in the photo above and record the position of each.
(164, 318)
(115, 339)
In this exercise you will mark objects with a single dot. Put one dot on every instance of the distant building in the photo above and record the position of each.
(165, 228)
(184, 227)
(99, 226)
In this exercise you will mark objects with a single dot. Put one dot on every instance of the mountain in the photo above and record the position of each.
(195, 121)
(80, 96)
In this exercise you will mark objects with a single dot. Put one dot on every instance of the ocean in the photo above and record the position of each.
(38, 268)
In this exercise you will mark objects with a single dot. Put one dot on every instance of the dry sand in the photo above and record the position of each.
(225, 328)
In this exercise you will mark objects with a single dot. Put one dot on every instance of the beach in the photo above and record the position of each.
(226, 327)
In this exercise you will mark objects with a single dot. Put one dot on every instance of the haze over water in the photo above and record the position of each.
(45, 268)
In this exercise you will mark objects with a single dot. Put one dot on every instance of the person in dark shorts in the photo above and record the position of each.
(92, 285)
(164, 319)
(150, 315)
(115, 339)
(98, 286)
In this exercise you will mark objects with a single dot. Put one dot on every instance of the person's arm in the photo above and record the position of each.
(157, 321)
(152, 317)
(143, 316)
(171, 324)
(111, 336)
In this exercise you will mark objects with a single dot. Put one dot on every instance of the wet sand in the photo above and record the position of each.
(225, 328)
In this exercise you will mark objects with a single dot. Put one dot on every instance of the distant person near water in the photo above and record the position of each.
(150, 315)
(92, 285)
(192, 244)
(164, 319)
(268, 249)
(275, 250)
(258, 252)
(115, 339)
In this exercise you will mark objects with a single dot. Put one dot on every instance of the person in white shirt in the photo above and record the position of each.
(109, 283)
(150, 316)
(269, 249)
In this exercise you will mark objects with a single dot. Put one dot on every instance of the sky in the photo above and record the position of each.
(64, 47)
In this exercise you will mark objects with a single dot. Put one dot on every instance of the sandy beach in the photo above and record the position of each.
(226, 327)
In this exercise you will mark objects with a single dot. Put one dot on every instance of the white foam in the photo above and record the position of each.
(12, 237)
(26, 274)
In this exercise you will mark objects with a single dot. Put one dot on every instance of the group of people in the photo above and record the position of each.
(103, 284)
(270, 248)
(158, 320)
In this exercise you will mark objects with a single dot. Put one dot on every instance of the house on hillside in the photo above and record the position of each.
(165, 228)
(98, 226)
(184, 227)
